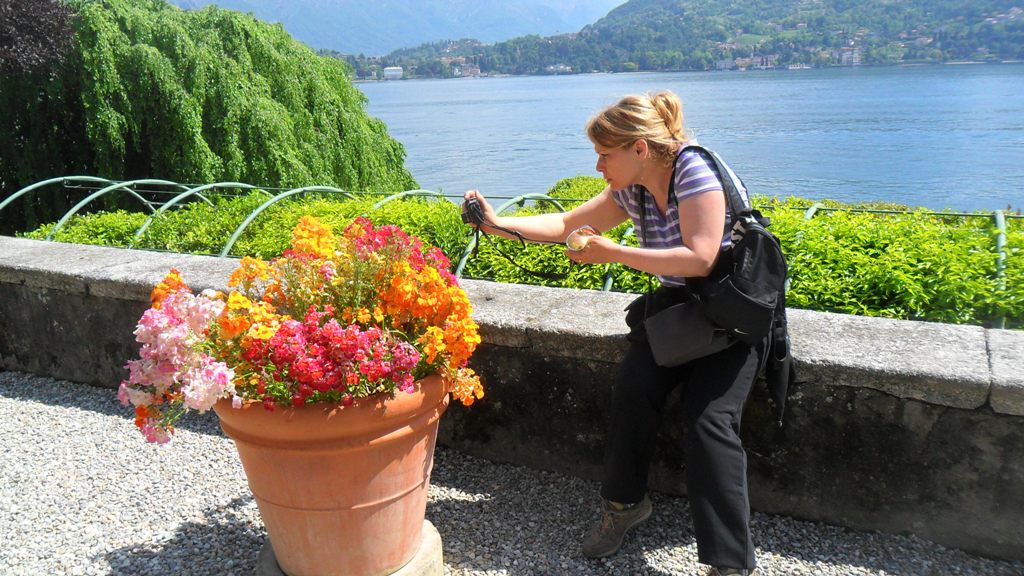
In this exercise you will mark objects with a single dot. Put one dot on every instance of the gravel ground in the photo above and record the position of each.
(82, 493)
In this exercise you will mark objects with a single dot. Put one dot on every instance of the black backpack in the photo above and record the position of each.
(745, 294)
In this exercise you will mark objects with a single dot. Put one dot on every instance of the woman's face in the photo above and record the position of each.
(620, 167)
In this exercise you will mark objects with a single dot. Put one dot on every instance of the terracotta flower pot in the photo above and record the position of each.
(341, 490)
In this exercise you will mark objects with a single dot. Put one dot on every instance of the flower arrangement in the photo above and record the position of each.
(333, 319)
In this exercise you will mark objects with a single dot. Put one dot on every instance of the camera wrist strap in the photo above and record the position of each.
(555, 276)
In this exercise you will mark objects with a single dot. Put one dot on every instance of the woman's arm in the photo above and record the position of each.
(601, 212)
(701, 222)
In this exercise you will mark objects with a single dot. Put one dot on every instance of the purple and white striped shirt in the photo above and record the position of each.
(693, 175)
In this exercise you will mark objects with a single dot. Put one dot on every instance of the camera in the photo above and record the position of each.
(472, 212)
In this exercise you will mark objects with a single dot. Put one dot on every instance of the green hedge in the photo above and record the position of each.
(199, 228)
(913, 265)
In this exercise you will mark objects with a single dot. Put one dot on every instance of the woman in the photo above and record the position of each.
(639, 143)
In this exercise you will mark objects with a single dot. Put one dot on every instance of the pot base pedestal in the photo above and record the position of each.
(428, 561)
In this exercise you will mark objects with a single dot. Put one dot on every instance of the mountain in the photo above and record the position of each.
(376, 28)
(709, 34)
(652, 33)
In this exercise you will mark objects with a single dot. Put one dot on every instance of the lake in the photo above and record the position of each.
(941, 137)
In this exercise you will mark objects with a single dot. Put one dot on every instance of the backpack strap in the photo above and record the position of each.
(739, 207)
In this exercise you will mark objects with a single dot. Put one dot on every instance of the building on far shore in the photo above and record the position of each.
(393, 73)
(558, 69)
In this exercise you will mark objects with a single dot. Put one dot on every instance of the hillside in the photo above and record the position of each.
(375, 28)
(709, 34)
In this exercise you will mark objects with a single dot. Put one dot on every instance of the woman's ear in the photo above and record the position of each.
(641, 148)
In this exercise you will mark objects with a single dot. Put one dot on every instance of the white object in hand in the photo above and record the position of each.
(578, 238)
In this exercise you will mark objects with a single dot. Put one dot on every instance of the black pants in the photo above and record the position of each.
(715, 390)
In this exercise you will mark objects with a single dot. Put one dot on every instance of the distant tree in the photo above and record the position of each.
(34, 34)
(150, 90)
(38, 128)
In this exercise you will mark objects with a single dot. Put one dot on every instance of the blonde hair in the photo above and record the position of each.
(655, 117)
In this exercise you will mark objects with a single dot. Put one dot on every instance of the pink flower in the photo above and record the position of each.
(156, 434)
(206, 383)
(127, 394)
(407, 385)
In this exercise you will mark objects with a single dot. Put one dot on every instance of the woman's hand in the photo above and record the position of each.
(599, 250)
(489, 215)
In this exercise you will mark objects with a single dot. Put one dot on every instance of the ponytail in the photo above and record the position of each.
(656, 118)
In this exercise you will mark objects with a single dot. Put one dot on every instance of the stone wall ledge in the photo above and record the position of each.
(943, 364)
(891, 425)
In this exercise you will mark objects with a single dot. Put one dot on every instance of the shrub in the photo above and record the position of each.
(913, 266)
(1011, 297)
(201, 228)
(104, 228)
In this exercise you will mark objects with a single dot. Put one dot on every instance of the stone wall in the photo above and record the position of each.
(891, 425)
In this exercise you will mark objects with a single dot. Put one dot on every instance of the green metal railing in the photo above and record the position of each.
(274, 200)
(113, 188)
(178, 194)
(185, 195)
(410, 193)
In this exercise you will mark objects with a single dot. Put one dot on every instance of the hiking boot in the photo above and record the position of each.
(722, 571)
(606, 538)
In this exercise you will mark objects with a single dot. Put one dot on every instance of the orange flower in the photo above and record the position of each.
(170, 284)
(363, 316)
(141, 415)
(249, 270)
(274, 293)
(433, 343)
(263, 312)
(262, 331)
(237, 301)
(312, 237)
(466, 386)
(460, 340)
(232, 326)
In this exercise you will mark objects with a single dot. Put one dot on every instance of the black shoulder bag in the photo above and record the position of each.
(681, 332)
(743, 291)
(746, 292)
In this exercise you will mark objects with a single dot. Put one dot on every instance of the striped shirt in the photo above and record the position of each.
(693, 175)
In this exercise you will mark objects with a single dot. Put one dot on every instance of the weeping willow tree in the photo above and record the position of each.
(152, 91)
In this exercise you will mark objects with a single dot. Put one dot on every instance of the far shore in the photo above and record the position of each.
(783, 68)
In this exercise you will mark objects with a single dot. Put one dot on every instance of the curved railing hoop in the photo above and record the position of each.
(407, 193)
(1000, 222)
(813, 210)
(112, 188)
(180, 197)
(531, 196)
(517, 200)
(609, 278)
(274, 200)
(37, 185)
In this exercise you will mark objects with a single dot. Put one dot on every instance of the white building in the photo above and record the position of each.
(393, 73)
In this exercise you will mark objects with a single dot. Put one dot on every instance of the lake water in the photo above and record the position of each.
(942, 137)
